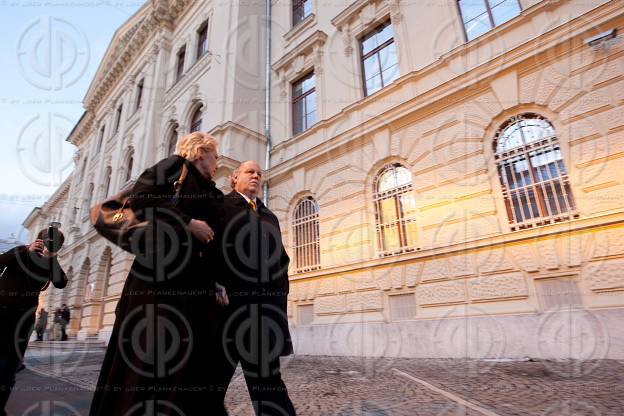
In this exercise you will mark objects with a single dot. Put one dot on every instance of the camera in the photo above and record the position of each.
(54, 238)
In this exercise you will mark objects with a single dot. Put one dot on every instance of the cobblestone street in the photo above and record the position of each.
(400, 386)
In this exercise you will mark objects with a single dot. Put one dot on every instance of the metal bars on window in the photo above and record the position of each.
(306, 242)
(535, 184)
(395, 210)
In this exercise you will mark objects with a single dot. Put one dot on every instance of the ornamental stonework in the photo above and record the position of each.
(500, 286)
(441, 293)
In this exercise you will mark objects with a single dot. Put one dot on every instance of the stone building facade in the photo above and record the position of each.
(448, 175)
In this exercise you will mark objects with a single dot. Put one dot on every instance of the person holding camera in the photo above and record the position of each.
(25, 271)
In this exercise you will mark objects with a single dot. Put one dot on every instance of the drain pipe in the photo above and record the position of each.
(267, 97)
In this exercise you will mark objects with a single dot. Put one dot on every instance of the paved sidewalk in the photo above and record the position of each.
(411, 387)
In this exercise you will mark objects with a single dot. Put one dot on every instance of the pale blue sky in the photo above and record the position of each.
(49, 53)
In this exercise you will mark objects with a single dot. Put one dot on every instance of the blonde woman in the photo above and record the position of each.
(161, 354)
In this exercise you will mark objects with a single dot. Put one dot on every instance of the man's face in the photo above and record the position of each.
(249, 179)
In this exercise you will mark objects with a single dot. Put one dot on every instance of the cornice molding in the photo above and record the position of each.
(301, 27)
(366, 13)
(127, 46)
(222, 129)
(303, 49)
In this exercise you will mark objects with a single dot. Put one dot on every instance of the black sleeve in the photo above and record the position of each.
(57, 275)
(8, 258)
(154, 189)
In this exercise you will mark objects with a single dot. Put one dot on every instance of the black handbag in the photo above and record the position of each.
(114, 220)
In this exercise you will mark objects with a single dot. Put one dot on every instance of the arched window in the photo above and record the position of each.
(172, 141)
(106, 273)
(533, 177)
(395, 210)
(306, 235)
(106, 183)
(129, 166)
(196, 121)
(88, 200)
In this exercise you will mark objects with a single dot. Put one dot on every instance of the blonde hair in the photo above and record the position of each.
(190, 145)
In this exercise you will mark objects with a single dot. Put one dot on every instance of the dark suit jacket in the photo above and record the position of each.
(256, 264)
(24, 274)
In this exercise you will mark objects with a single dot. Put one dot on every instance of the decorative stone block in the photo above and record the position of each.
(412, 274)
(548, 255)
(605, 274)
(364, 280)
(608, 243)
(327, 286)
(525, 257)
(361, 301)
(330, 304)
(497, 286)
(441, 292)
(435, 269)
(463, 265)
(344, 284)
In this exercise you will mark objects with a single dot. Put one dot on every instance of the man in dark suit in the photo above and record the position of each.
(255, 325)
(24, 272)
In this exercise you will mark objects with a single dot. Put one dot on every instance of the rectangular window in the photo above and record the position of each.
(139, 94)
(480, 16)
(301, 10)
(202, 39)
(305, 314)
(180, 62)
(118, 117)
(379, 58)
(402, 306)
(304, 103)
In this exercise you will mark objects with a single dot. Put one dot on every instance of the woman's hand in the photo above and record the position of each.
(201, 230)
(222, 297)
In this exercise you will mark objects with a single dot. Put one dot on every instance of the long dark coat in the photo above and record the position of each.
(160, 354)
(256, 265)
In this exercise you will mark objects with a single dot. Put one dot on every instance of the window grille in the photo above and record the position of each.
(535, 184)
(402, 306)
(395, 209)
(306, 236)
(305, 314)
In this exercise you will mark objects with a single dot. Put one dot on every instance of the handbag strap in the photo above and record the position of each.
(177, 185)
